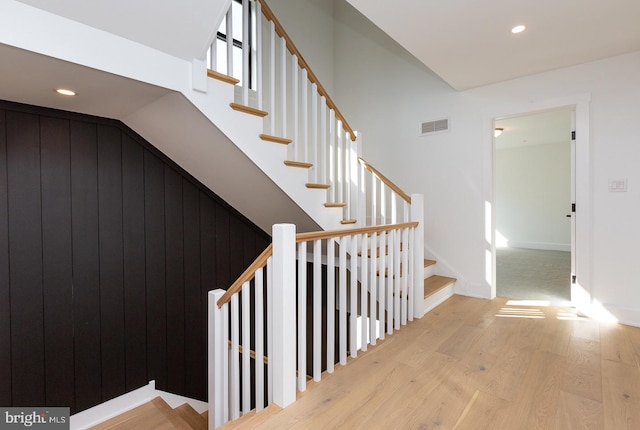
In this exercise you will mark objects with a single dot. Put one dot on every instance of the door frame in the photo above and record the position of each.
(582, 289)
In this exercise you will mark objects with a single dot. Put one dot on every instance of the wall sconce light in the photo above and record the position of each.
(497, 131)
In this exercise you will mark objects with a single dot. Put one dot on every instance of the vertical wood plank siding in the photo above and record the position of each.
(107, 250)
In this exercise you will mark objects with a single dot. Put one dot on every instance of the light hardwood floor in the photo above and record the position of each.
(477, 364)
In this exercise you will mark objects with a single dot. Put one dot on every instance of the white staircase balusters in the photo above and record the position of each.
(274, 78)
(246, 347)
(342, 309)
(331, 303)
(302, 316)
(246, 53)
(317, 309)
(364, 284)
(353, 295)
(364, 296)
(295, 107)
(229, 32)
(234, 360)
(270, 330)
(259, 339)
(373, 286)
(271, 55)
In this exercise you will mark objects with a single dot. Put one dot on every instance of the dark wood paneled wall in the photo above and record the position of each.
(107, 251)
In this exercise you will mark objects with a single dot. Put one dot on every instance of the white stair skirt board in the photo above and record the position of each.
(130, 400)
(438, 297)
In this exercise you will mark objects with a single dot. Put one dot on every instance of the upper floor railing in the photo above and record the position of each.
(272, 76)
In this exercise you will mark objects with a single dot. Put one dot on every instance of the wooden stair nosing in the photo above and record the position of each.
(222, 77)
(301, 164)
(428, 263)
(335, 205)
(275, 139)
(435, 283)
(348, 221)
(318, 186)
(248, 109)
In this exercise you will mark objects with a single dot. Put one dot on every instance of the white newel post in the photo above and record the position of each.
(417, 214)
(284, 314)
(218, 351)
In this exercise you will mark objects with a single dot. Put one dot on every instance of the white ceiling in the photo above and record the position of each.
(181, 28)
(469, 43)
(27, 77)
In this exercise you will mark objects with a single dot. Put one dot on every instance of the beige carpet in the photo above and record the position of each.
(531, 274)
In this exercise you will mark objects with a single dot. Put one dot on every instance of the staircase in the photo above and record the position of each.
(264, 325)
(157, 415)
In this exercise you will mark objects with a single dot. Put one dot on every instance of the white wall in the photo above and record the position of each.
(533, 194)
(385, 93)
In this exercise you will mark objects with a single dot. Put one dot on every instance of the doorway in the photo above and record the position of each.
(534, 190)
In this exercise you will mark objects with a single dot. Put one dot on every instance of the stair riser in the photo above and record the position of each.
(438, 297)
(429, 271)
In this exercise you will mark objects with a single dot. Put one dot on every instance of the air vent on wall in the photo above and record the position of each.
(433, 127)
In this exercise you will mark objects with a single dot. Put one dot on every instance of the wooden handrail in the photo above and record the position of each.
(247, 275)
(317, 235)
(385, 180)
(261, 260)
(252, 353)
(268, 13)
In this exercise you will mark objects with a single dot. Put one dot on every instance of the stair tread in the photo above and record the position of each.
(222, 77)
(248, 109)
(320, 186)
(435, 283)
(191, 417)
(335, 205)
(156, 414)
(302, 164)
(348, 221)
(275, 139)
(428, 263)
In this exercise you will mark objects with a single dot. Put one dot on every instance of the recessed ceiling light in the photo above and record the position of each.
(65, 92)
(518, 29)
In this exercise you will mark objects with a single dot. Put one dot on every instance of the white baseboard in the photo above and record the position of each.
(612, 313)
(114, 407)
(541, 245)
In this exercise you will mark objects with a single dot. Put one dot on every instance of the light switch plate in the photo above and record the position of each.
(618, 185)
